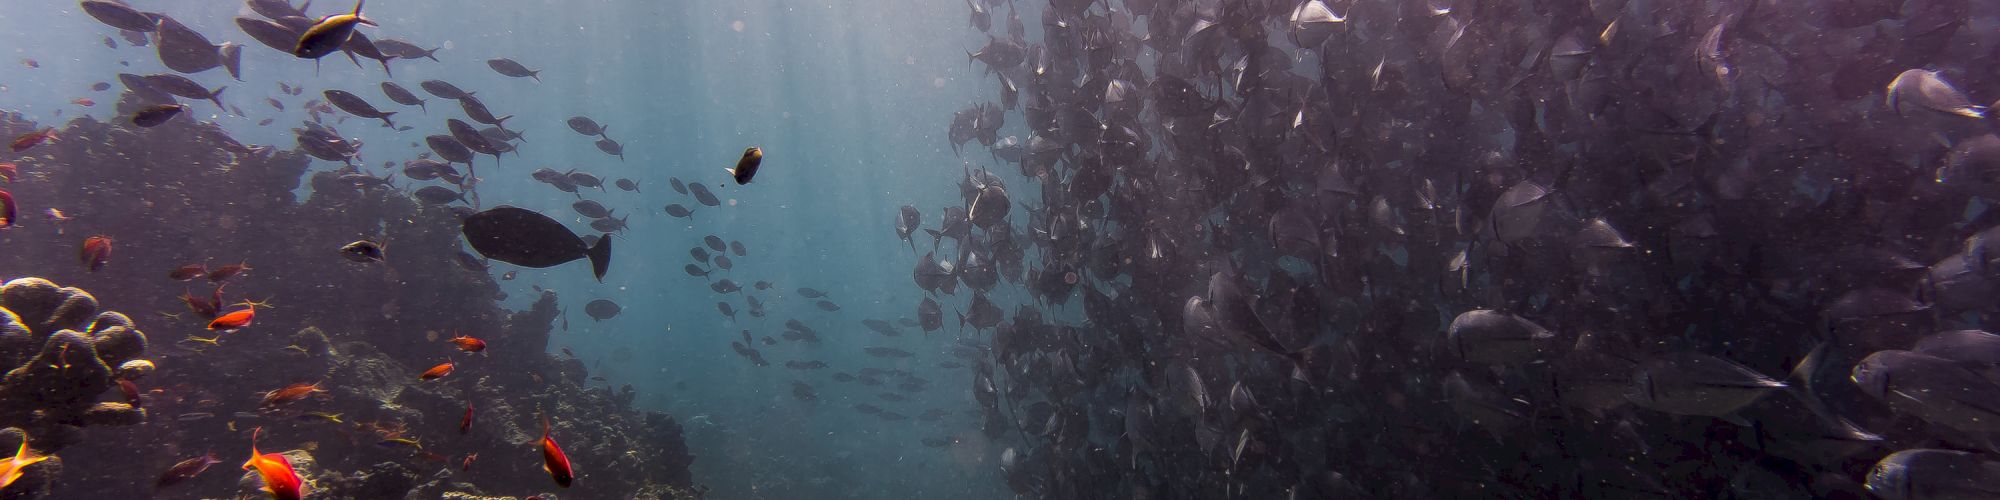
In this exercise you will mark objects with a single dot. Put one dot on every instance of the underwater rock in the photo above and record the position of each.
(58, 385)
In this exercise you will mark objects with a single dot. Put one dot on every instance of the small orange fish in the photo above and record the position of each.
(10, 468)
(439, 371)
(33, 139)
(289, 394)
(9, 172)
(234, 320)
(84, 101)
(96, 252)
(8, 212)
(187, 272)
(56, 214)
(31, 63)
(276, 470)
(226, 272)
(467, 464)
(553, 459)
(468, 344)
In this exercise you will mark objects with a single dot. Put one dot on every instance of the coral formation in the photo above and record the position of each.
(361, 332)
(63, 354)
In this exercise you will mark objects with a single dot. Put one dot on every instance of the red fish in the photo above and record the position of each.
(186, 469)
(467, 464)
(438, 372)
(468, 344)
(553, 459)
(234, 320)
(9, 172)
(33, 139)
(84, 101)
(130, 390)
(96, 252)
(187, 272)
(289, 394)
(8, 212)
(276, 470)
(226, 272)
(465, 424)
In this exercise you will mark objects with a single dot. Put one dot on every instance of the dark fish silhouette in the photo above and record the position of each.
(602, 309)
(156, 114)
(526, 238)
(508, 67)
(402, 96)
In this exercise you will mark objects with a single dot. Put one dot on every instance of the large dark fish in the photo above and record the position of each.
(444, 89)
(508, 67)
(702, 195)
(275, 9)
(355, 105)
(402, 96)
(156, 114)
(271, 34)
(181, 86)
(525, 238)
(602, 309)
(118, 15)
(586, 126)
(747, 166)
(611, 147)
(476, 110)
(329, 34)
(405, 50)
(183, 49)
(450, 149)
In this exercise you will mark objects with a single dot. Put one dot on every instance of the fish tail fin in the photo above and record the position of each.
(422, 107)
(501, 122)
(385, 116)
(601, 131)
(600, 257)
(432, 54)
(385, 67)
(215, 96)
(537, 75)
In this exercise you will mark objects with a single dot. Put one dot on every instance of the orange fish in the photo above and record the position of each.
(438, 372)
(279, 478)
(10, 468)
(84, 101)
(187, 272)
(234, 320)
(9, 172)
(468, 344)
(289, 394)
(467, 465)
(33, 139)
(8, 212)
(553, 459)
(96, 252)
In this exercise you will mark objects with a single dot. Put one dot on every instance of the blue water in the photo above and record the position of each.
(848, 99)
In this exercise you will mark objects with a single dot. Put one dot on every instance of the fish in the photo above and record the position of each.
(364, 251)
(746, 167)
(444, 90)
(234, 319)
(118, 15)
(811, 293)
(95, 253)
(181, 86)
(586, 126)
(465, 423)
(679, 187)
(9, 172)
(329, 34)
(676, 210)
(591, 209)
(187, 272)
(467, 344)
(553, 459)
(289, 394)
(611, 147)
(131, 392)
(186, 470)
(355, 105)
(702, 195)
(466, 465)
(439, 371)
(907, 223)
(280, 480)
(10, 213)
(319, 416)
(156, 114)
(526, 238)
(10, 468)
(627, 185)
(508, 67)
(406, 50)
(34, 138)
(828, 306)
(223, 273)
(601, 309)
(400, 443)
(438, 195)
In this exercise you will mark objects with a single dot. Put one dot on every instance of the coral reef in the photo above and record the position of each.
(63, 353)
(361, 332)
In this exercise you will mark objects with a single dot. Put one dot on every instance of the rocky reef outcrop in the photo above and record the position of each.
(62, 353)
(360, 331)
